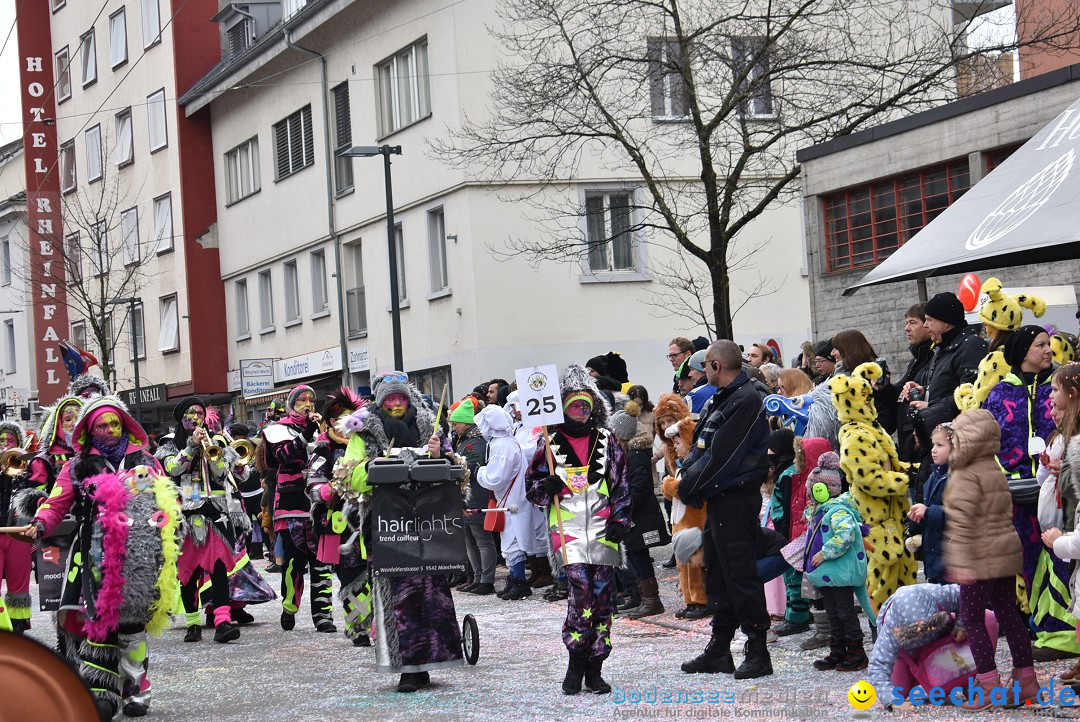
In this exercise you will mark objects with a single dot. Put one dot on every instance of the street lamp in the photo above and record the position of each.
(131, 302)
(368, 151)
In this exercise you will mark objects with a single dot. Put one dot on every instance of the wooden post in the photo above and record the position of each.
(558, 509)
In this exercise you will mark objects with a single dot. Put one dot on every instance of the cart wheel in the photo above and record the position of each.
(470, 639)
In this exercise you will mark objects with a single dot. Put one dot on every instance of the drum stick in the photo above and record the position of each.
(558, 509)
(12, 529)
(442, 405)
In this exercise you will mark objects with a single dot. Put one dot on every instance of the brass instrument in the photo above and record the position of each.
(211, 451)
(13, 463)
(244, 449)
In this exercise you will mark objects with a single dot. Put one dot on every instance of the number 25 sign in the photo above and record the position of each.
(539, 396)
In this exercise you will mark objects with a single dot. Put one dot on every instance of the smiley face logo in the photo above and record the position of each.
(862, 695)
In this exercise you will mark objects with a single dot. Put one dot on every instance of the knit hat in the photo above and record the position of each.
(1004, 311)
(624, 423)
(700, 343)
(824, 349)
(686, 543)
(1017, 345)
(579, 396)
(390, 382)
(945, 307)
(184, 404)
(826, 472)
(463, 412)
(295, 393)
(697, 361)
(597, 364)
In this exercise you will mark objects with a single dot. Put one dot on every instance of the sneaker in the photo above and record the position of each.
(273, 568)
(135, 709)
(465, 588)
(817, 640)
(789, 628)
(696, 611)
(288, 621)
(226, 632)
(519, 590)
(194, 633)
(480, 589)
(771, 637)
(326, 627)
(242, 617)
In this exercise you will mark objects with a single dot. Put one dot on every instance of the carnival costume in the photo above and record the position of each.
(288, 444)
(340, 497)
(15, 556)
(589, 482)
(121, 576)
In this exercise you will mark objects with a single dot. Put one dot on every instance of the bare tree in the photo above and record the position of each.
(103, 258)
(701, 104)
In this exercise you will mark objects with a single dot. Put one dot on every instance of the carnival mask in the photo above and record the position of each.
(68, 416)
(579, 410)
(107, 429)
(8, 441)
(193, 418)
(396, 405)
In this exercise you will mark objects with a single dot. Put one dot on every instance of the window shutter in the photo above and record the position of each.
(309, 140)
(680, 98)
(281, 140)
(656, 77)
(342, 116)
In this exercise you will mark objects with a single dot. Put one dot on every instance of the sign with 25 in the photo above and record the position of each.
(539, 395)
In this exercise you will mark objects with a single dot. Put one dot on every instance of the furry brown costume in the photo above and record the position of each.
(691, 579)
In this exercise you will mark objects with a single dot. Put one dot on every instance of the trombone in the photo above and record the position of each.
(13, 462)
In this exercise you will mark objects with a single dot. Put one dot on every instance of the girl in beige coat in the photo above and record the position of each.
(982, 554)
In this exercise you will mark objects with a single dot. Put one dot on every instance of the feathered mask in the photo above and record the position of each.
(213, 419)
(354, 423)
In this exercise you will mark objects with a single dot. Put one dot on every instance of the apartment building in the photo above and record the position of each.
(123, 190)
(402, 74)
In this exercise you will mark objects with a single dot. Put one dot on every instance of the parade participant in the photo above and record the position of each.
(470, 444)
(416, 627)
(199, 467)
(679, 439)
(503, 474)
(540, 567)
(287, 451)
(340, 494)
(121, 577)
(15, 557)
(588, 481)
(88, 387)
(249, 484)
(404, 415)
(983, 554)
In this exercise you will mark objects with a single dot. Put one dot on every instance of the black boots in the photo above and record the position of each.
(650, 600)
(836, 654)
(226, 632)
(854, 657)
(516, 589)
(194, 633)
(557, 593)
(593, 681)
(715, 658)
(412, 681)
(288, 621)
(575, 671)
(541, 573)
(757, 662)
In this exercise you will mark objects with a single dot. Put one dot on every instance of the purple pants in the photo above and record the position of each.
(587, 628)
(1000, 596)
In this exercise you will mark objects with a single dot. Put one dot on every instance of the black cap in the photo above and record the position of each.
(824, 349)
(945, 307)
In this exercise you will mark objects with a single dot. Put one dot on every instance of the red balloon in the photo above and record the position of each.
(970, 288)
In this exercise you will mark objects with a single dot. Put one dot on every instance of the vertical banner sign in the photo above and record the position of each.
(48, 287)
(539, 396)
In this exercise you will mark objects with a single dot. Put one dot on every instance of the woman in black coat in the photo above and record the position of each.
(649, 528)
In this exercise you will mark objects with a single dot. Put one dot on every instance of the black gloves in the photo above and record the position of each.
(615, 532)
(553, 485)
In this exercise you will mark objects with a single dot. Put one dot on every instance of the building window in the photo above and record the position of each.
(62, 69)
(129, 233)
(292, 293)
(93, 154)
(242, 170)
(151, 23)
(320, 299)
(78, 334)
(238, 36)
(57, 4)
(609, 231)
(402, 90)
(5, 262)
(118, 53)
(67, 167)
(996, 157)
(9, 343)
(163, 227)
(136, 334)
(73, 258)
(750, 65)
(343, 168)
(293, 142)
(266, 301)
(864, 225)
(169, 335)
(88, 53)
(155, 113)
(107, 331)
(355, 299)
(99, 249)
(399, 255)
(668, 94)
(125, 146)
(243, 326)
(440, 279)
(432, 381)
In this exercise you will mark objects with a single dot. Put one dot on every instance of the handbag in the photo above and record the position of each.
(496, 520)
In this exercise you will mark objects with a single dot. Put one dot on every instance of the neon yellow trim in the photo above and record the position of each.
(100, 668)
(20, 612)
(168, 584)
(290, 591)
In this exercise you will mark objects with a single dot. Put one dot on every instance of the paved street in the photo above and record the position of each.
(302, 675)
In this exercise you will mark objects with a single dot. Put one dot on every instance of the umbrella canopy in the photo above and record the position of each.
(1023, 212)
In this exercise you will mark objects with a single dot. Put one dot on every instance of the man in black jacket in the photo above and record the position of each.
(726, 468)
(922, 348)
(958, 349)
